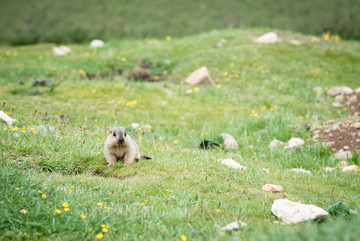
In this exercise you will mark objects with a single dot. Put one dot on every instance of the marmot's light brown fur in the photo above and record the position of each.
(120, 145)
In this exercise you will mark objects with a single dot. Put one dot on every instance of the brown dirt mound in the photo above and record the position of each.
(343, 134)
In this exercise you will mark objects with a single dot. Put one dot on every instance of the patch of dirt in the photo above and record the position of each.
(343, 134)
(101, 174)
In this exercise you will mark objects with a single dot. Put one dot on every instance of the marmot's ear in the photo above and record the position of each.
(111, 130)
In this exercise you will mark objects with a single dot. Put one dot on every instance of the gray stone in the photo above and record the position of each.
(352, 168)
(268, 38)
(300, 170)
(231, 163)
(229, 142)
(276, 144)
(295, 142)
(96, 43)
(200, 76)
(234, 226)
(272, 188)
(294, 212)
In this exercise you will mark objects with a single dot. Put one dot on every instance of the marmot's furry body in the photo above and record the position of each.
(120, 145)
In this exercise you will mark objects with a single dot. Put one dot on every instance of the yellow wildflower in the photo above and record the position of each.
(123, 59)
(87, 54)
(175, 142)
(168, 38)
(40, 57)
(90, 229)
(218, 86)
(300, 117)
(106, 207)
(15, 128)
(100, 204)
(99, 236)
(183, 238)
(103, 225)
(82, 216)
(58, 211)
(40, 191)
(105, 230)
(222, 233)
(65, 205)
(218, 210)
(79, 204)
(43, 196)
(17, 188)
(15, 53)
(66, 209)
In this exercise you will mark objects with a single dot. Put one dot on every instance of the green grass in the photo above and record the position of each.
(184, 190)
(38, 21)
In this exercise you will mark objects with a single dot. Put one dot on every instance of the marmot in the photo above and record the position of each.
(120, 145)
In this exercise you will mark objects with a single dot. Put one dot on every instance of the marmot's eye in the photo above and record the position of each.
(114, 134)
(125, 134)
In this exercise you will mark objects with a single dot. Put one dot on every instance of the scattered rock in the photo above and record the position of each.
(334, 91)
(265, 170)
(295, 42)
(300, 170)
(229, 141)
(343, 155)
(272, 188)
(276, 144)
(352, 168)
(189, 91)
(337, 105)
(6, 119)
(329, 169)
(234, 226)
(200, 76)
(356, 125)
(220, 43)
(294, 212)
(146, 128)
(96, 43)
(268, 38)
(61, 50)
(24, 211)
(357, 90)
(337, 90)
(231, 163)
(42, 83)
(135, 125)
(295, 142)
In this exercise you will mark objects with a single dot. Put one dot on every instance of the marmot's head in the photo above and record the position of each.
(117, 135)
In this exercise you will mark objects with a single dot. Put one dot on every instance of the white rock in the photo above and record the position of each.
(233, 226)
(200, 76)
(294, 212)
(295, 142)
(357, 90)
(276, 144)
(189, 91)
(346, 90)
(268, 38)
(272, 188)
(337, 105)
(229, 142)
(356, 125)
(233, 164)
(265, 170)
(343, 155)
(329, 169)
(61, 50)
(300, 170)
(146, 128)
(6, 119)
(135, 125)
(352, 168)
(295, 42)
(334, 91)
(96, 43)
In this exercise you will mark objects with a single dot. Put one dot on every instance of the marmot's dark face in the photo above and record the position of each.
(118, 135)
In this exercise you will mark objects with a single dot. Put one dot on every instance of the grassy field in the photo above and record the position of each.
(79, 21)
(52, 164)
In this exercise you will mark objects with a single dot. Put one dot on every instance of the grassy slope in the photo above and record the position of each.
(187, 191)
(34, 21)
